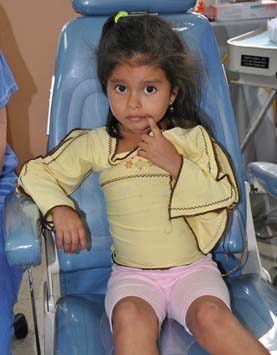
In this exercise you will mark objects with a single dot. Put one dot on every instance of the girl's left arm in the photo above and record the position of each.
(202, 180)
(202, 176)
(205, 181)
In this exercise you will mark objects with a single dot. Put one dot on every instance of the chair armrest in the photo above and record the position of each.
(22, 221)
(263, 175)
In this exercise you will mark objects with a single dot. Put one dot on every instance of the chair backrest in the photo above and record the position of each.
(78, 102)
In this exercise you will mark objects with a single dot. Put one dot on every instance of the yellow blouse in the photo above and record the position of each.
(155, 221)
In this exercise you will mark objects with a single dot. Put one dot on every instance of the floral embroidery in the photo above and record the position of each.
(128, 163)
(140, 163)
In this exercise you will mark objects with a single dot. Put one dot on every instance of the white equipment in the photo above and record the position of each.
(254, 57)
(253, 61)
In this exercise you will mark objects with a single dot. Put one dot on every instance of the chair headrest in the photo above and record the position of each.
(107, 7)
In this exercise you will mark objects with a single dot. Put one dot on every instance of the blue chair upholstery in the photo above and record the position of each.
(81, 326)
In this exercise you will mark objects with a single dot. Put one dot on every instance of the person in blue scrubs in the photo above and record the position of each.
(10, 277)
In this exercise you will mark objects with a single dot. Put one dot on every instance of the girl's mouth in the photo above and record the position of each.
(136, 118)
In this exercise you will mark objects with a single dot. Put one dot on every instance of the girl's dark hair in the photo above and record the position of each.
(151, 41)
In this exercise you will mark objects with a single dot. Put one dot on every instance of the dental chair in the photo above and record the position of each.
(74, 321)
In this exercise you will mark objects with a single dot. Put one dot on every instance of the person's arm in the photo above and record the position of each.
(7, 87)
(200, 184)
(203, 184)
(51, 179)
(205, 181)
(205, 189)
(3, 135)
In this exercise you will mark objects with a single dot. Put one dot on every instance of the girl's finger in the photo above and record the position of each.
(141, 153)
(146, 138)
(143, 145)
(74, 242)
(59, 240)
(154, 127)
(83, 239)
(67, 242)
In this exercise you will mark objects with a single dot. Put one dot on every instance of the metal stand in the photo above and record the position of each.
(30, 276)
(258, 121)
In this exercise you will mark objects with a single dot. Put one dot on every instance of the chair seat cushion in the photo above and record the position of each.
(266, 175)
(82, 326)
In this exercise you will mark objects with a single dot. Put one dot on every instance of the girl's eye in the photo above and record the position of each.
(150, 89)
(120, 88)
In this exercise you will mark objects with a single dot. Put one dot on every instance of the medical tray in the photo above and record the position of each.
(253, 56)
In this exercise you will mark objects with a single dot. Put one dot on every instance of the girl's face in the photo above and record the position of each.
(138, 92)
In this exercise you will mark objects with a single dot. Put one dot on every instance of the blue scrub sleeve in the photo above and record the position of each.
(7, 82)
(7, 87)
(10, 277)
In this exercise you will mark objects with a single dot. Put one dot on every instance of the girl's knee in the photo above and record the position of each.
(125, 310)
(207, 314)
(132, 313)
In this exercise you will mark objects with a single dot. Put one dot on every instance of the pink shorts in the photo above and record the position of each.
(170, 292)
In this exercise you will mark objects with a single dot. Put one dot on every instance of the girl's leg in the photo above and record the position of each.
(135, 327)
(218, 331)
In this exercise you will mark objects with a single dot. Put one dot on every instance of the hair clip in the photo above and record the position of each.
(120, 14)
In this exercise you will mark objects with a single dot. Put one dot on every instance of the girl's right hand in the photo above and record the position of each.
(69, 229)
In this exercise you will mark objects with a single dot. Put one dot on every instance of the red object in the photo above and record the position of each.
(200, 8)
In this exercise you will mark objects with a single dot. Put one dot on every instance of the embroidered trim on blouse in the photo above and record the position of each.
(135, 176)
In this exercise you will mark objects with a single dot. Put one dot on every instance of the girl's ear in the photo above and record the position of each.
(173, 95)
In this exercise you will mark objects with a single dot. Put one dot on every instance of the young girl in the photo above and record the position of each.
(167, 186)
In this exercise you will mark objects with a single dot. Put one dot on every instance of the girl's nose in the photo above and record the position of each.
(134, 101)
